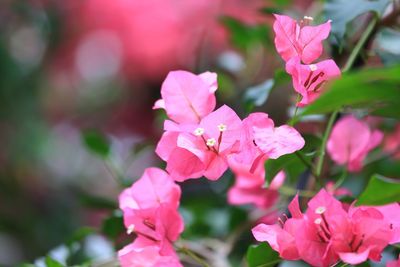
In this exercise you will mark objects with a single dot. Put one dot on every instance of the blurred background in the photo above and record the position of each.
(78, 79)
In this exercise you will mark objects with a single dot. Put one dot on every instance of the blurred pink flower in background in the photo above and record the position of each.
(146, 39)
(350, 142)
(392, 143)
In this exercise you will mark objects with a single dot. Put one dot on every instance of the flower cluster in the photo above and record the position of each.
(350, 142)
(200, 141)
(297, 43)
(329, 231)
(150, 212)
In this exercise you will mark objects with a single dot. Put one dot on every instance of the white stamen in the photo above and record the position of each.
(313, 67)
(318, 221)
(308, 18)
(320, 210)
(211, 142)
(222, 127)
(131, 229)
(198, 132)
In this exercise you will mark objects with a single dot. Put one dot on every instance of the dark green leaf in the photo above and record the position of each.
(380, 191)
(244, 36)
(261, 255)
(376, 89)
(96, 143)
(291, 163)
(341, 12)
(113, 226)
(52, 263)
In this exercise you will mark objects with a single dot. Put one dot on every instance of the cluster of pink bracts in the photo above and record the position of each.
(201, 141)
(330, 231)
(303, 43)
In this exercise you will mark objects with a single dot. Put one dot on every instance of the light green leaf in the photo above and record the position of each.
(380, 191)
(52, 263)
(375, 89)
(261, 255)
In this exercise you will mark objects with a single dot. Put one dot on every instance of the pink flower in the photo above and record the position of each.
(149, 209)
(327, 232)
(192, 151)
(391, 213)
(281, 237)
(261, 140)
(392, 143)
(159, 188)
(142, 254)
(364, 237)
(341, 191)
(302, 41)
(350, 142)
(308, 80)
(249, 187)
(394, 263)
(186, 97)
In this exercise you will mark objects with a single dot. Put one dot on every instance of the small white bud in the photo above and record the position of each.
(222, 127)
(313, 67)
(308, 18)
(318, 221)
(198, 132)
(131, 229)
(211, 142)
(320, 210)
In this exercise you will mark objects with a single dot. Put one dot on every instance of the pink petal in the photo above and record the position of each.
(215, 166)
(348, 140)
(211, 79)
(267, 233)
(226, 116)
(159, 186)
(187, 97)
(353, 257)
(166, 145)
(294, 208)
(278, 181)
(183, 165)
(159, 104)
(310, 41)
(279, 141)
(286, 32)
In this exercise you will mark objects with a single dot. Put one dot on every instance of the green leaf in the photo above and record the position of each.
(375, 89)
(96, 143)
(291, 163)
(341, 12)
(261, 255)
(52, 263)
(113, 226)
(244, 36)
(380, 191)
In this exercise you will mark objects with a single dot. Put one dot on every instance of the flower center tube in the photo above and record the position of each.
(323, 230)
(212, 144)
